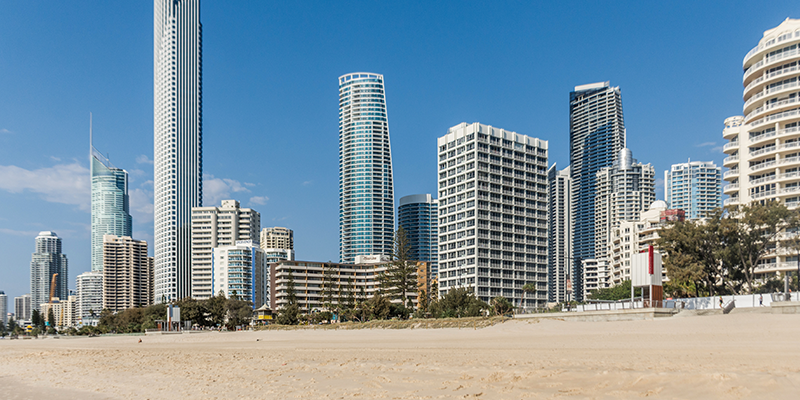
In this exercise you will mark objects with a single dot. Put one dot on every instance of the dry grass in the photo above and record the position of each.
(474, 323)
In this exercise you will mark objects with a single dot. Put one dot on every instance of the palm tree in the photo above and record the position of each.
(528, 288)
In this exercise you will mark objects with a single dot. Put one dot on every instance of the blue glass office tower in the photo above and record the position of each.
(418, 215)
(366, 190)
(596, 135)
(110, 204)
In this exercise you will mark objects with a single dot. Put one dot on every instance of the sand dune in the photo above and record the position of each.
(722, 356)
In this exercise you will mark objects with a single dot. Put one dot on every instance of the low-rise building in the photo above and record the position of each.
(64, 311)
(348, 281)
(595, 275)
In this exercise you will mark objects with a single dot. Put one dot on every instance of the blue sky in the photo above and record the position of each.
(270, 96)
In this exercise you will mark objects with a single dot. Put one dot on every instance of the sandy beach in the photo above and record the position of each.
(720, 356)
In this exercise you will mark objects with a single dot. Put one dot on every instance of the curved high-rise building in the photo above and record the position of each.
(366, 190)
(764, 146)
(110, 204)
(418, 215)
(178, 141)
(596, 135)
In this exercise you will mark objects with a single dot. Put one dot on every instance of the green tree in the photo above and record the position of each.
(693, 253)
(290, 312)
(400, 278)
(618, 292)
(758, 228)
(51, 318)
(217, 309)
(379, 307)
(3, 328)
(36, 318)
(328, 289)
(239, 312)
(194, 310)
(457, 303)
(501, 306)
(527, 288)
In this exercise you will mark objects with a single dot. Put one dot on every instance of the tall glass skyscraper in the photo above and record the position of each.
(110, 204)
(178, 141)
(596, 135)
(418, 215)
(47, 260)
(694, 187)
(366, 189)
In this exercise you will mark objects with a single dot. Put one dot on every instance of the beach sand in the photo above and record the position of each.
(719, 356)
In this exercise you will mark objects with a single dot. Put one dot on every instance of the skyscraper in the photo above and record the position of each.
(559, 233)
(418, 215)
(110, 204)
(493, 214)
(624, 191)
(694, 187)
(366, 189)
(213, 227)
(178, 140)
(596, 135)
(47, 260)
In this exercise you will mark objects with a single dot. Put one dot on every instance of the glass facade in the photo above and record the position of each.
(596, 135)
(110, 204)
(694, 187)
(418, 216)
(366, 189)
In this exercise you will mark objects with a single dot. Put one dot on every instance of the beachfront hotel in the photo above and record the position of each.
(89, 295)
(366, 189)
(493, 213)
(418, 214)
(178, 141)
(763, 148)
(214, 227)
(596, 135)
(694, 187)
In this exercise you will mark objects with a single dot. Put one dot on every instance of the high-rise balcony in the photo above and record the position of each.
(731, 187)
(734, 173)
(730, 160)
(730, 147)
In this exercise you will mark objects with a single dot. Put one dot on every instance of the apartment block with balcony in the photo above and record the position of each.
(127, 273)
(763, 148)
(214, 227)
(493, 213)
(695, 187)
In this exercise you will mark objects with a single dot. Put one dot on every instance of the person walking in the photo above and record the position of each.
(761, 300)
(720, 301)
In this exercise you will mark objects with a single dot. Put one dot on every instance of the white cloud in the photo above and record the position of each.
(4, 130)
(54, 158)
(143, 159)
(248, 184)
(18, 233)
(306, 183)
(217, 189)
(63, 183)
(706, 144)
(259, 200)
(141, 200)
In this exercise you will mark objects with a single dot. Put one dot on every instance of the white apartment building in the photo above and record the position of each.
(3, 308)
(623, 191)
(89, 294)
(214, 227)
(493, 213)
(763, 147)
(241, 270)
(22, 308)
(559, 255)
(694, 187)
(596, 275)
